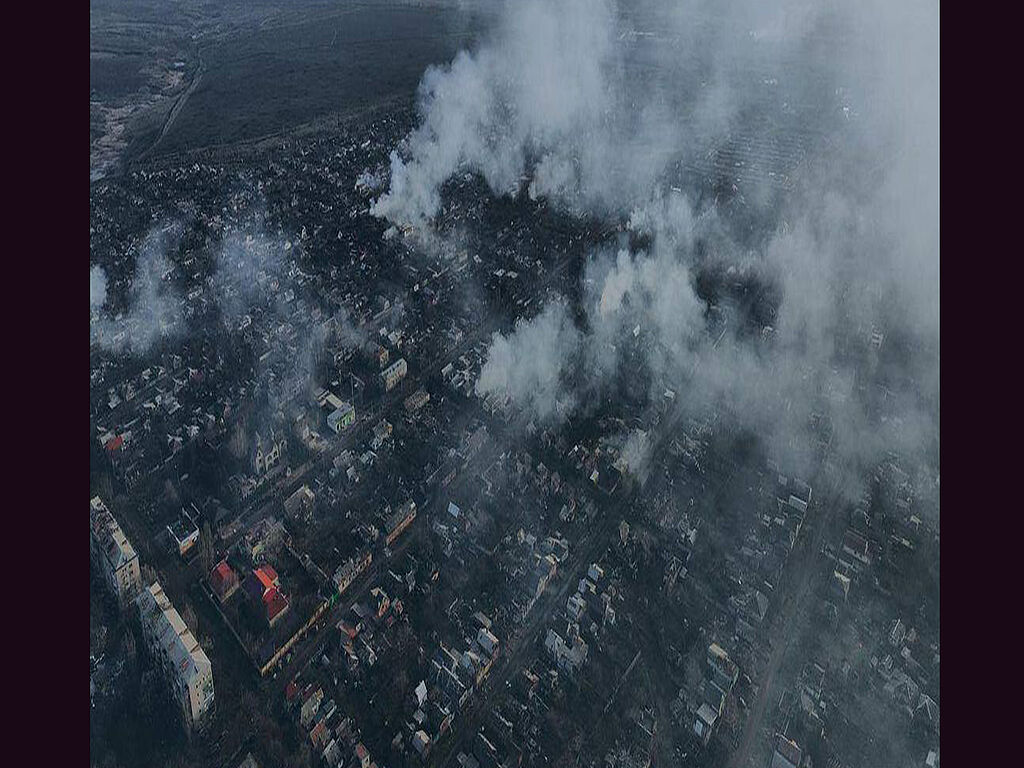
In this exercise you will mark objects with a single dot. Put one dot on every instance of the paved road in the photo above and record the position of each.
(795, 591)
(179, 104)
(593, 542)
(521, 647)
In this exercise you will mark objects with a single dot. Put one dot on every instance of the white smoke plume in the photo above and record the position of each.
(347, 333)
(247, 261)
(646, 297)
(369, 181)
(595, 101)
(636, 453)
(603, 105)
(530, 364)
(539, 92)
(155, 309)
(97, 287)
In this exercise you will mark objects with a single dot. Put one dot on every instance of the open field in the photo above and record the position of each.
(216, 74)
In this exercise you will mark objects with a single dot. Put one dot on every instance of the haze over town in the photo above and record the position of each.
(506, 384)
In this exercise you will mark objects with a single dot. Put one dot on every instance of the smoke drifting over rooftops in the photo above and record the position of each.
(154, 308)
(827, 114)
(97, 287)
(531, 363)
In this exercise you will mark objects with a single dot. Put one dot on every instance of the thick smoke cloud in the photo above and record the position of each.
(648, 297)
(352, 336)
(155, 308)
(593, 102)
(530, 364)
(533, 95)
(636, 453)
(603, 107)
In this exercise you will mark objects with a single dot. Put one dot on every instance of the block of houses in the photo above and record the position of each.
(349, 570)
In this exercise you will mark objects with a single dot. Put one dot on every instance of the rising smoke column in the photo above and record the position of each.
(530, 364)
(564, 94)
(97, 287)
(543, 94)
(154, 309)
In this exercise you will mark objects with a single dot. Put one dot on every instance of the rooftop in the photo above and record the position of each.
(174, 636)
(108, 534)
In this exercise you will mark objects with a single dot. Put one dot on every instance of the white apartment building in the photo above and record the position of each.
(394, 373)
(113, 554)
(185, 665)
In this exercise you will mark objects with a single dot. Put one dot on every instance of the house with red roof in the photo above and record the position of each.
(264, 588)
(362, 755)
(223, 581)
(276, 604)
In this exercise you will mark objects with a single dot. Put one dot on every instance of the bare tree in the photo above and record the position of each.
(148, 574)
(129, 644)
(188, 615)
(206, 548)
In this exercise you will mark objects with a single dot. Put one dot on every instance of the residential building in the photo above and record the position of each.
(311, 699)
(400, 520)
(787, 754)
(264, 588)
(855, 548)
(704, 722)
(362, 756)
(112, 553)
(381, 432)
(184, 531)
(299, 506)
(223, 581)
(567, 657)
(342, 417)
(185, 665)
(724, 670)
(416, 400)
(394, 373)
(264, 538)
(421, 742)
(488, 642)
(349, 570)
